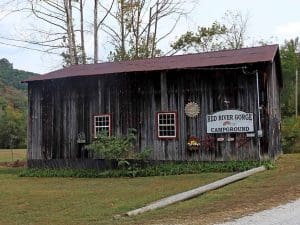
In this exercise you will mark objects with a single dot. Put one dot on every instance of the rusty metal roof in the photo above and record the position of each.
(200, 60)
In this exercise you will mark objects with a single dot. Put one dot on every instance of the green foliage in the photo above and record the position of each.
(13, 77)
(144, 154)
(290, 134)
(13, 106)
(227, 34)
(114, 147)
(290, 61)
(5, 64)
(12, 128)
(165, 169)
(205, 39)
(140, 50)
(12, 122)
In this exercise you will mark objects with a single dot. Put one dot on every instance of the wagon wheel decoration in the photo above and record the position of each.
(208, 142)
(241, 140)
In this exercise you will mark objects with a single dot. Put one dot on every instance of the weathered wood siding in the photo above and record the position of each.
(60, 109)
(273, 114)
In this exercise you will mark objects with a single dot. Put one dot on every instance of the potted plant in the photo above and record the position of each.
(193, 143)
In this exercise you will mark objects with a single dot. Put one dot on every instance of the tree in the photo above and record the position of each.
(205, 39)
(12, 128)
(13, 105)
(97, 23)
(290, 61)
(63, 26)
(12, 77)
(134, 31)
(236, 24)
(57, 14)
(82, 46)
(5, 64)
(230, 33)
(54, 30)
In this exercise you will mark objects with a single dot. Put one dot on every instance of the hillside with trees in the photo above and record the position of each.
(290, 63)
(13, 105)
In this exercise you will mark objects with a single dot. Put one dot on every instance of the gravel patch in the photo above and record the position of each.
(288, 214)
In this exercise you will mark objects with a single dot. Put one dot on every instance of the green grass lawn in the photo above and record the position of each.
(7, 156)
(96, 201)
(83, 201)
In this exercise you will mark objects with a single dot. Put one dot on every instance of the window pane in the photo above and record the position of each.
(166, 125)
(102, 124)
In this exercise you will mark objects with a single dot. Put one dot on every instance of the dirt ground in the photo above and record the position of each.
(17, 163)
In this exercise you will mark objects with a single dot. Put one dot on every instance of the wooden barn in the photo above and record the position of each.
(214, 106)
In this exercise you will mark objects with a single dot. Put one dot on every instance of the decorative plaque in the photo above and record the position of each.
(192, 109)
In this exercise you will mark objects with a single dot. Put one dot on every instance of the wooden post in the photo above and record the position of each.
(195, 192)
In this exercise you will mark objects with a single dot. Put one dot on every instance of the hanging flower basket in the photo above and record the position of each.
(193, 143)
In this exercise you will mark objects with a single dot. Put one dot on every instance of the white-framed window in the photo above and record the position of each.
(167, 125)
(102, 123)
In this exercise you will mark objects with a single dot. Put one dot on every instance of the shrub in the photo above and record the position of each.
(290, 133)
(164, 169)
(119, 148)
(114, 147)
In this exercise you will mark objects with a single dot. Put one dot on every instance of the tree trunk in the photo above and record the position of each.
(96, 31)
(83, 54)
(148, 33)
(155, 31)
(70, 32)
(73, 33)
(122, 31)
(137, 39)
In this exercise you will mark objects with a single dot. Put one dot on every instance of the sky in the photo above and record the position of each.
(269, 20)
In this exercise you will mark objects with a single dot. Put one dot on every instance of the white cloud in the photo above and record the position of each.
(289, 30)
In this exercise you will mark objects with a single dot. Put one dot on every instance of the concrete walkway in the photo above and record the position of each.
(288, 214)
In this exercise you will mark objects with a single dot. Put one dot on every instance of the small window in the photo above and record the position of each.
(102, 123)
(167, 125)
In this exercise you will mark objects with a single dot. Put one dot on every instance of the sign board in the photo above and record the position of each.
(229, 121)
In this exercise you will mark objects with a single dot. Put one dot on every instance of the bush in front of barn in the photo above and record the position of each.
(165, 169)
(118, 148)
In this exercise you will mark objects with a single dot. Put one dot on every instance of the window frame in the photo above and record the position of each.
(175, 124)
(109, 123)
